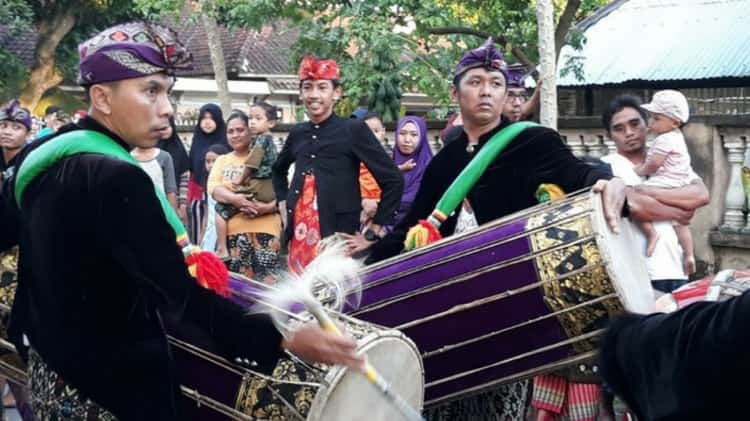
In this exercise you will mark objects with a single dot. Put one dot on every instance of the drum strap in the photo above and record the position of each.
(210, 273)
(426, 231)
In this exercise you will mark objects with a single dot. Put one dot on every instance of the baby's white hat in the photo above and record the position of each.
(671, 103)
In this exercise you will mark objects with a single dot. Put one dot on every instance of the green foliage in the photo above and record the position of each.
(390, 43)
(23, 16)
(361, 36)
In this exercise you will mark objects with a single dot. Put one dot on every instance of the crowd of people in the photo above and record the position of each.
(239, 197)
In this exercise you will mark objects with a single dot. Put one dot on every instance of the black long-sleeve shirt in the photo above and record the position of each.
(537, 155)
(332, 150)
(99, 271)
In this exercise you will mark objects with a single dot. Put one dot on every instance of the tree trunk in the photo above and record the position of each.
(564, 24)
(44, 72)
(546, 24)
(213, 37)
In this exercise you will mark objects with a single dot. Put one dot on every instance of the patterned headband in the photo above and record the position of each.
(14, 112)
(131, 50)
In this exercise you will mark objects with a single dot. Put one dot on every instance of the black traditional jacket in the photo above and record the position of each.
(332, 150)
(100, 273)
(537, 155)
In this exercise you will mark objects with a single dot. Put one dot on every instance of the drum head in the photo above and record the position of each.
(625, 261)
(349, 396)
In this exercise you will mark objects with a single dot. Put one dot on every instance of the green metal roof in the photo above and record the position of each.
(663, 40)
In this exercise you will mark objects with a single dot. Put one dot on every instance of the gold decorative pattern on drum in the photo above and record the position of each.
(8, 283)
(256, 399)
(563, 292)
(8, 276)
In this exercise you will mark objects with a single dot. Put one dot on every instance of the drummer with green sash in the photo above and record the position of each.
(509, 161)
(508, 179)
(104, 263)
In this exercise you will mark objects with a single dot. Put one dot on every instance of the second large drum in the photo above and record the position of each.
(520, 296)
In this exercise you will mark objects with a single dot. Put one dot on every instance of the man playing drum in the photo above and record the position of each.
(537, 155)
(100, 270)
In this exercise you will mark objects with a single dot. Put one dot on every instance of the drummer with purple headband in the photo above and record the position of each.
(100, 270)
(537, 155)
(518, 105)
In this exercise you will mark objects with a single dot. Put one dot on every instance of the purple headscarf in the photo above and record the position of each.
(486, 56)
(131, 50)
(515, 76)
(14, 112)
(422, 156)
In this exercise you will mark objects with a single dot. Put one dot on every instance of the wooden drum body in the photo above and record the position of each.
(523, 295)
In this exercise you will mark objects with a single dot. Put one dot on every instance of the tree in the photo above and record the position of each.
(416, 40)
(213, 37)
(209, 16)
(547, 57)
(60, 25)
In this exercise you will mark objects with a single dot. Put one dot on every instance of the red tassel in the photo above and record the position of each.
(433, 235)
(209, 271)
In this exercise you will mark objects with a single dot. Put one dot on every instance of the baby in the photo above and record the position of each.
(667, 164)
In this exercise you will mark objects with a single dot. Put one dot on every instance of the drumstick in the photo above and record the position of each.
(370, 373)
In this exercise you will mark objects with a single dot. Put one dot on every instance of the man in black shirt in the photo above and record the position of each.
(537, 155)
(324, 196)
(100, 271)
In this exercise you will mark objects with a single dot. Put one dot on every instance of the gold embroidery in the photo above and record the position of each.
(8, 276)
(258, 396)
(563, 292)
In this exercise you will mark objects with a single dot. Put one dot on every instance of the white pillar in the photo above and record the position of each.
(594, 146)
(547, 73)
(734, 203)
(575, 143)
(609, 144)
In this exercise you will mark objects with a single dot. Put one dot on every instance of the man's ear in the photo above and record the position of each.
(101, 98)
(453, 90)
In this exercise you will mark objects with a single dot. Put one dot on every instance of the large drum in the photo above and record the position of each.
(296, 390)
(523, 295)
(216, 389)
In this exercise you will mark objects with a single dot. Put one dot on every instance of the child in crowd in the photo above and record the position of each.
(256, 179)
(209, 233)
(668, 162)
(368, 187)
(159, 166)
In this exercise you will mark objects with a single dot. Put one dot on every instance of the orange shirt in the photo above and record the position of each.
(368, 187)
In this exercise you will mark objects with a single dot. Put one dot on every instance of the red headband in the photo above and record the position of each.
(318, 69)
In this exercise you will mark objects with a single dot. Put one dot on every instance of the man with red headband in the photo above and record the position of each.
(324, 197)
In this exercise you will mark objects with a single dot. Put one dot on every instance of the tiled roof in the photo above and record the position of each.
(284, 84)
(264, 52)
(664, 40)
(20, 44)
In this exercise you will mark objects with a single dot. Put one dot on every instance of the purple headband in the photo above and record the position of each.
(516, 74)
(486, 56)
(131, 50)
(14, 112)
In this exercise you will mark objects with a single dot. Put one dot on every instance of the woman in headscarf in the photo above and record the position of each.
(210, 130)
(172, 144)
(411, 154)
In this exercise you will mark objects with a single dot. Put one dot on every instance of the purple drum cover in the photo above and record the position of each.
(473, 322)
(206, 378)
(493, 374)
